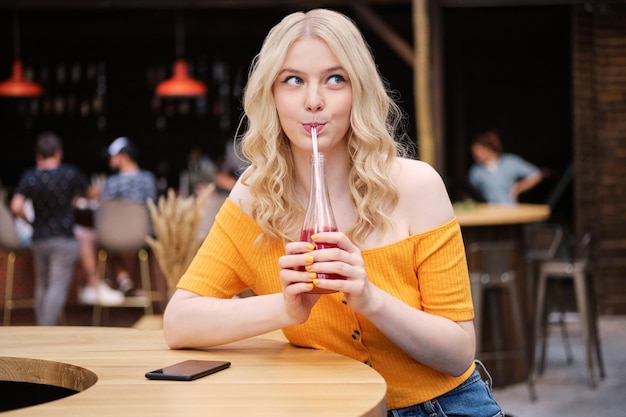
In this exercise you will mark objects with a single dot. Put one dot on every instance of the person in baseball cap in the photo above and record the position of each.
(122, 145)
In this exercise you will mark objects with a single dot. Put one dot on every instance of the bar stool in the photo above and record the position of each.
(578, 271)
(122, 226)
(541, 243)
(9, 243)
(492, 268)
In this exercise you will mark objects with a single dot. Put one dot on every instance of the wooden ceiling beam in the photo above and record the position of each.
(386, 33)
(185, 4)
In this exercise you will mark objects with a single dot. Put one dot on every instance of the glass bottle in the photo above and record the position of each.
(319, 214)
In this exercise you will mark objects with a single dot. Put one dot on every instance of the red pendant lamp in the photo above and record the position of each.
(18, 85)
(181, 84)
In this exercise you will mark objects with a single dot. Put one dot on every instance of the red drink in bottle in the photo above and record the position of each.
(319, 213)
(305, 236)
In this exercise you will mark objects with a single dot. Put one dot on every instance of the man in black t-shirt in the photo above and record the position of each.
(52, 187)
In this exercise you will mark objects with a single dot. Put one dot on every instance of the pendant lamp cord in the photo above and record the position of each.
(16, 35)
(180, 35)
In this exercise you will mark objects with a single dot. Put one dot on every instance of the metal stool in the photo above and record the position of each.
(576, 270)
(541, 243)
(492, 267)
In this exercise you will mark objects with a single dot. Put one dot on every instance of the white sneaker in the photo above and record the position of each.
(108, 296)
(88, 295)
(103, 294)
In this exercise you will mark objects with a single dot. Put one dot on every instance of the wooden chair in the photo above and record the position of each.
(122, 226)
(492, 268)
(10, 244)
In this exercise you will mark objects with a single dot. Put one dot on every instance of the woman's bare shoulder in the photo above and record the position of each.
(412, 173)
(241, 196)
(424, 198)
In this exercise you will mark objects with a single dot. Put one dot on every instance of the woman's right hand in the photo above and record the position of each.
(296, 282)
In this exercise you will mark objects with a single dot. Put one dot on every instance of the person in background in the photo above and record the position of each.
(405, 305)
(23, 228)
(52, 187)
(500, 177)
(200, 172)
(130, 183)
(228, 169)
(95, 290)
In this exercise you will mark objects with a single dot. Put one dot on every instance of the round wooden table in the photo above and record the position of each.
(107, 366)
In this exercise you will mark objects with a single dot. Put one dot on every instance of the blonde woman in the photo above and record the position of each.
(399, 246)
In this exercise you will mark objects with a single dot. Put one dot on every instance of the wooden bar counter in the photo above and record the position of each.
(496, 215)
(492, 223)
(107, 366)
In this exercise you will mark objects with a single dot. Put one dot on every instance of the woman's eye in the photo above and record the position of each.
(292, 80)
(336, 79)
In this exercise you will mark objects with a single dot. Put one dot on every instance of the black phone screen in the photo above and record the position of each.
(188, 370)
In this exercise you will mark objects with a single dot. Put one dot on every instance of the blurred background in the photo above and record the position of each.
(548, 74)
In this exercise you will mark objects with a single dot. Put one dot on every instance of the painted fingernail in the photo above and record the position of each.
(309, 259)
(308, 267)
(316, 282)
(312, 275)
(310, 286)
(314, 237)
(310, 246)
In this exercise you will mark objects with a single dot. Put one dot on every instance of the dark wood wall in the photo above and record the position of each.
(599, 130)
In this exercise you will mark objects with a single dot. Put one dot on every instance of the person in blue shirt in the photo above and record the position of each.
(500, 177)
(129, 183)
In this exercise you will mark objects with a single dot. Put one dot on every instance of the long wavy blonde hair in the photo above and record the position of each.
(374, 120)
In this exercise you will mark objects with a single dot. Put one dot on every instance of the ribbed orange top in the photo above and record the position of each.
(229, 261)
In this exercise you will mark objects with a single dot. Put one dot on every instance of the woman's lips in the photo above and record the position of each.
(318, 127)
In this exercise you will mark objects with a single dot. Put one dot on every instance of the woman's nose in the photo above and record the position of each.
(314, 100)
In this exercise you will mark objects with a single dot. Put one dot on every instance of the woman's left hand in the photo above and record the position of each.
(409, 328)
(344, 260)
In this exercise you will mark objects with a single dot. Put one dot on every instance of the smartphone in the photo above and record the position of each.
(188, 370)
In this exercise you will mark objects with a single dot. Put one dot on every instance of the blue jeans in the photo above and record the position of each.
(470, 399)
